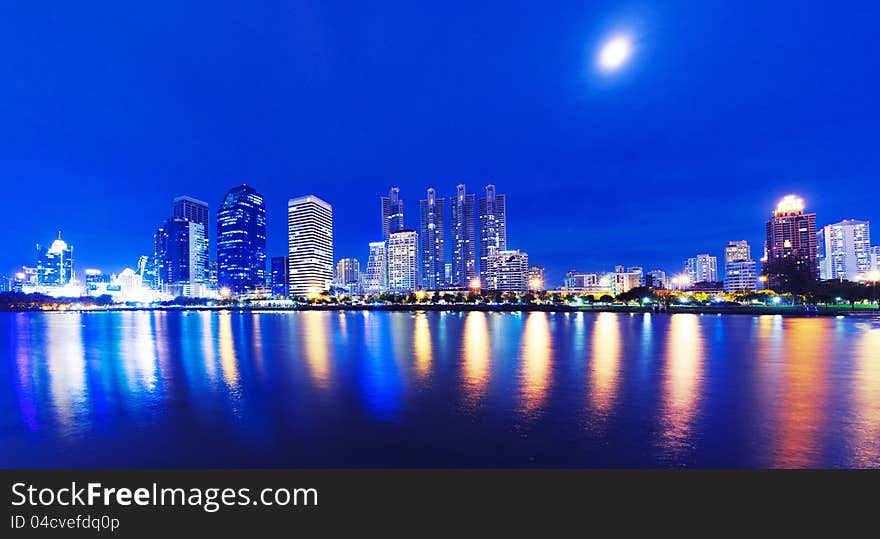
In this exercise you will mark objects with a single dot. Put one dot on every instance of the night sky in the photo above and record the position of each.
(110, 109)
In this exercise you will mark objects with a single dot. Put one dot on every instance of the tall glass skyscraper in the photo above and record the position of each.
(241, 240)
(160, 259)
(183, 251)
(464, 239)
(433, 238)
(310, 245)
(196, 211)
(280, 281)
(492, 211)
(392, 213)
(348, 274)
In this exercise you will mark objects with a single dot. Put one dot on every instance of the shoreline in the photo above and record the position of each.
(789, 311)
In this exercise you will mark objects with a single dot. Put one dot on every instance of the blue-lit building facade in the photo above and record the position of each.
(279, 276)
(241, 240)
(432, 234)
(392, 213)
(180, 245)
(464, 238)
(492, 212)
(54, 264)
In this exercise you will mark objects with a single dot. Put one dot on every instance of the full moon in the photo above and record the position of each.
(614, 53)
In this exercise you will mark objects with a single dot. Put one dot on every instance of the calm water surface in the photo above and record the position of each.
(380, 389)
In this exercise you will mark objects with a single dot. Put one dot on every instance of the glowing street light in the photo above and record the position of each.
(225, 292)
(475, 284)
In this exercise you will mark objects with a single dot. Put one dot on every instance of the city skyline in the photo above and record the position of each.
(190, 211)
(679, 152)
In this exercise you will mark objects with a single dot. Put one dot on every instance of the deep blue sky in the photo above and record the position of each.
(110, 109)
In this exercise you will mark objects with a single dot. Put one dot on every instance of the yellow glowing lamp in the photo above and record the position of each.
(475, 283)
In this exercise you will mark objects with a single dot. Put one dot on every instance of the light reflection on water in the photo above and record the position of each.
(605, 363)
(682, 381)
(866, 390)
(537, 353)
(804, 394)
(422, 344)
(437, 389)
(315, 333)
(475, 349)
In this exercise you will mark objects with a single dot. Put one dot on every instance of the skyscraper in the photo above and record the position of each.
(392, 213)
(376, 278)
(183, 249)
(739, 269)
(195, 210)
(702, 269)
(55, 264)
(492, 213)
(160, 259)
(310, 245)
(279, 276)
(433, 239)
(241, 240)
(464, 253)
(506, 271)
(791, 247)
(348, 274)
(403, 261)
(191, 209)
(844, 250)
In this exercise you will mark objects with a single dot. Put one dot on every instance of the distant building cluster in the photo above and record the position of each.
(459, 243)
(795, 254)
